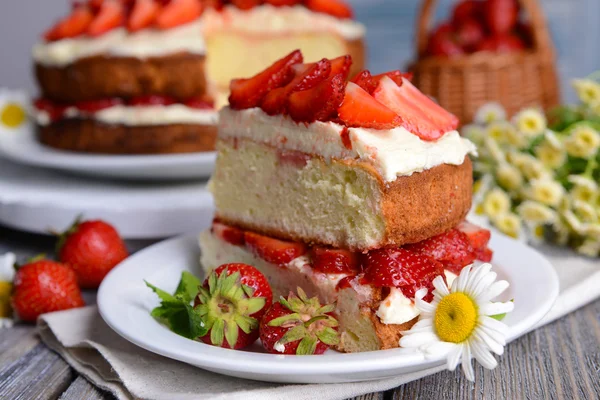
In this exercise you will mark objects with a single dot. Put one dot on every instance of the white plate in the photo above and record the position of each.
(125, 303)
(22, 146)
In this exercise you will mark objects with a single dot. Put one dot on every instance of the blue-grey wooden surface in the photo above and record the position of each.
(574, 24)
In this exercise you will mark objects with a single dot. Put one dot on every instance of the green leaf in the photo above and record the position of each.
(256, 304)
(329, 336)
(246, 323)
(307, 346)
(500, 317)
(279, 321)
(296, 333)
(231, 333)
(217, 332)
(188, 286)
(164, 296)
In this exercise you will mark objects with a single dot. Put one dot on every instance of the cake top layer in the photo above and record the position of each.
(94, 18)
(320, 91)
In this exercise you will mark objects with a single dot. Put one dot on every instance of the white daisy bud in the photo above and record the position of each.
(589, 247)
(509, 177)
(573, 222)
(583, 141)
(587, 90)
(500, 131)
(584, 189)
(532, 211)
(490, 112)
(496, 202)
(530, 122)
(585, 211)
(545, 191)
(474, 133)
(550, 156)
(553, 140)
(494, 150)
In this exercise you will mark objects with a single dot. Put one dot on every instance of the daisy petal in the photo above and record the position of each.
(459, 283)
(439, 348)
(492, 344)
(467, 366)
(493, 324)
(440, 286)
(483, 355)
(477, 275)
(484, 284)
(454, 357)
(496, 336)
(493, 291)
(424, 306)
(496, 308)
(418, 339)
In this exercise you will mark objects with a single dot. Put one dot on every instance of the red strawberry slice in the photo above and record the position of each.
(479, 239)
(152, 100)
(55, 111)
(178, 12)
(318, 103)
(365, 81)
(401, 268)
(228, 233)
(110, 16)
(246, 4)
(451, 248)
(341, 65)
(200, 103)
(334, 261)
(73, 25)
(306, 77)
(273, 250)
(360, 109)
(396, 76)
(280, 3)
(485, 255)
(93, 106)
(337, 8)
(248, 93)
(142, 15)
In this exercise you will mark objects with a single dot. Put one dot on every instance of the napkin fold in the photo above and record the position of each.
(112, 363)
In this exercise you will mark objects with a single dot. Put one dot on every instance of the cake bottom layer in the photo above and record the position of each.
(91, 136)
(242, 54)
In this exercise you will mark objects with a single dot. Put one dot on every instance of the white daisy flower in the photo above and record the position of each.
(530, 122)
(500, 131)
(587, 90)
(561, 232)
(550, 156)
(545, 191)
(531, 167)
(473, 132)
(584, 189)
(585, 211)
(14, 105)
(583, 141)
(496, 202)
(573, 222)
(553, 140)
(536, 233)
(535, 212)
(7, 274)
(489, 113)
(494, 150)
(509, 223)
(590, 247)
(509, 176)
(458, 323)
(593, 230)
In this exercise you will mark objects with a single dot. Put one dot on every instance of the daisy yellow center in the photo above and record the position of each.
(12, 115)
(455, 318)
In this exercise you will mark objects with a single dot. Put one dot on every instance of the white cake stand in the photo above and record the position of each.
(37, 200)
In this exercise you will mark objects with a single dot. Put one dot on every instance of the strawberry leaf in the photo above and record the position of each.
(188, 287)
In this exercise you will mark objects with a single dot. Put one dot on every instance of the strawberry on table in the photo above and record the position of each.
(452, 249)
(110, 16)
(360, 109)
(402, 268)
(91, 249)
(44, 286)
(273, 250)
(299, 325)
(250, 92)
(231, 303)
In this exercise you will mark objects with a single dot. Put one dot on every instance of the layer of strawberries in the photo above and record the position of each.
(321, 91)
(408, 268)
(57, 110)
(96, 17)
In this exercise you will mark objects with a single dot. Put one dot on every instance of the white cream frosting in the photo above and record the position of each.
(395, 152)
(270, 19)
(139, 115)
(121, 43)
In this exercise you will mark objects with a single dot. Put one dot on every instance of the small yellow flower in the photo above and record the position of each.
(595, 107)
(585, 212)
(532, 211)
(516, 139)
(500, 131)
(530, 122)
(531, 167)
(553, 140)
(583, 141)
(545, 191)
(509, 224)
(587, 90)
(573, 222)
(474, 133)
(509, 177)
(496, 202)
(550, 156)
(489, 113)
(537, 232)
(584, 189)
(590, 247)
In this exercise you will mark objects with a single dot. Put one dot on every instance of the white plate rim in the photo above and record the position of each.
(211, 357)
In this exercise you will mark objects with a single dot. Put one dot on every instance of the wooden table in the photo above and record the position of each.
(560, 360)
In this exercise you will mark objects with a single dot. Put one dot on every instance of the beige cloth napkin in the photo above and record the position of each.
(113, 364)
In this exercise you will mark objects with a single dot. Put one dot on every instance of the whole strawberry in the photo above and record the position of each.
(92, 249)
(231, 303)
(44, 286)
(299, 325)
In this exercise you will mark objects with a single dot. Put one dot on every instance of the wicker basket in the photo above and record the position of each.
(464, 83)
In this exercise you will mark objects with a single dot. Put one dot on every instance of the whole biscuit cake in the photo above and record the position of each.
(145, 76)
(356, 191)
